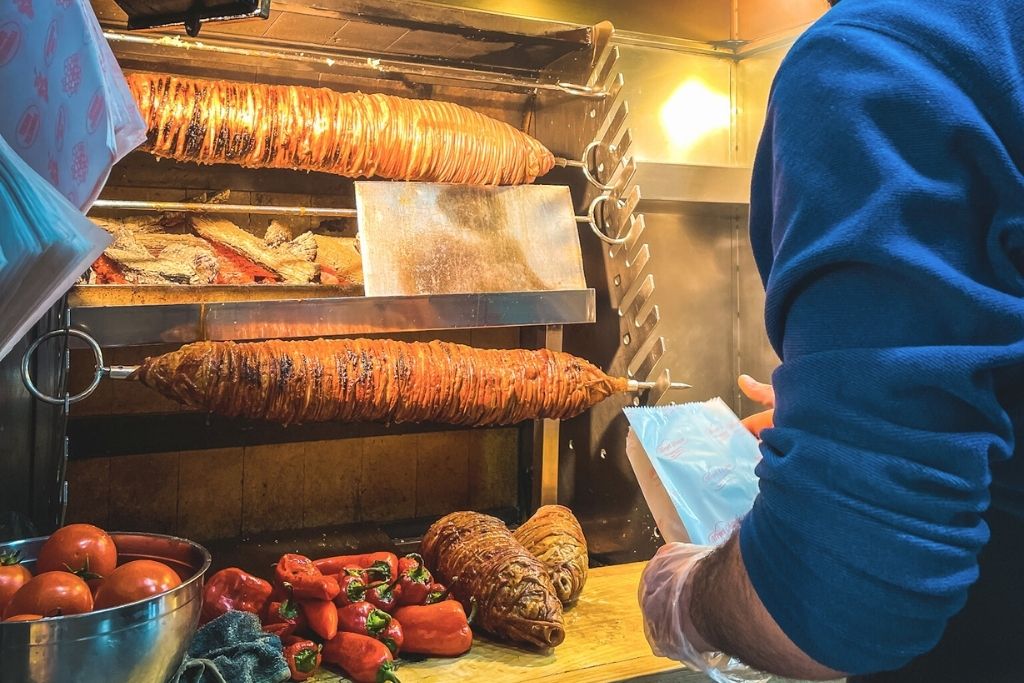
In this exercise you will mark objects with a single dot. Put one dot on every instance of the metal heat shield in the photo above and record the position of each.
(428, 238)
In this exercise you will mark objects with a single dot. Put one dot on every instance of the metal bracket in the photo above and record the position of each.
(113, 372)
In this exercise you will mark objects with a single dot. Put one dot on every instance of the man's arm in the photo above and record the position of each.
(875, 218)
(727, 616)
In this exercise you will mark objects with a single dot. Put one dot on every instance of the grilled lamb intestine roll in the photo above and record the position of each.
(554, 536)
(479, 559)
(317, 129)
(377, 380)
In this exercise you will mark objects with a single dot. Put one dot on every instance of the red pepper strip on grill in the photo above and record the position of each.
(303, 658)
(364, 659)
(383, 566)
(234, 589)
(322, 617)
(438, 630)
(306, 580)
(414, 579)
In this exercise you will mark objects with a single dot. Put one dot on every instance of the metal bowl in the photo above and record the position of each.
(141, 642)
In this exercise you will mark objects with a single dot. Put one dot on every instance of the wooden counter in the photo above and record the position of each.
(604, 642)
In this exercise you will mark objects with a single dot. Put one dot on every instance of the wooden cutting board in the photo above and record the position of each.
(604, 642)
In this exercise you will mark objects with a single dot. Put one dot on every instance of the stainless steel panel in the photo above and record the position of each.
(693, 263)
(429, 238)
(689, 183)
(756, 356)
(705, 20)
(681, 108)
(114, 326)
(754, 76)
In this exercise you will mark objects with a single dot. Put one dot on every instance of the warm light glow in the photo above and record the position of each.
(694, 111)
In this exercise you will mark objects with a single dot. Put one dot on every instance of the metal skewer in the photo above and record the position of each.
(636, 385)
(201, 207)
(127, 372)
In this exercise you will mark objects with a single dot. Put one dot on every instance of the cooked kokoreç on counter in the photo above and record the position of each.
(479, 559)
(316, 129)
(554, 536)
(377, 380)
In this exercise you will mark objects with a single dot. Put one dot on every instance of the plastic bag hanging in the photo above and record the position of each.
(67, 111)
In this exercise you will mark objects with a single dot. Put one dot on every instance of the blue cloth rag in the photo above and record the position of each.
(233, 649)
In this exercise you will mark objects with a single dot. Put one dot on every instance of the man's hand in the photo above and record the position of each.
(763, 394)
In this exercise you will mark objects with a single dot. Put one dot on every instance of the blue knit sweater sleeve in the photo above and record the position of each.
(887, 303)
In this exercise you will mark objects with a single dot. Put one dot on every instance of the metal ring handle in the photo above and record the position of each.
(591, 177)
(26, 377)
(584, 90)
(592, 219)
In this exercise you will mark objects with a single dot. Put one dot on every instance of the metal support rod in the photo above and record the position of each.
(263, 210)
(635, 385)
(329, 60)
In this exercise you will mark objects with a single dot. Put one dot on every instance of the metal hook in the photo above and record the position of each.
(591, 220)
(66, 399)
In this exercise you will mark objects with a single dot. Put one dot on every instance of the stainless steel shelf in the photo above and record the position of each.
(114, 326)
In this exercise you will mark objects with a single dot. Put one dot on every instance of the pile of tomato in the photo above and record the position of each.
(77, 572)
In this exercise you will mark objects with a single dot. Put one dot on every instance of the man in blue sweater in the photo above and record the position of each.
(887, 219)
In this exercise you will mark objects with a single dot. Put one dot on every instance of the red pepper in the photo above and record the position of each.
(438, 630)
(235, 589)
(306, 580)
(437, 593)
(393, 637)
(283, 617)
(364, 659)
(303, 658)
(362, 617)
(414, 579)
(384, 596)
(353, 588)
(322, 617)
(381, 566)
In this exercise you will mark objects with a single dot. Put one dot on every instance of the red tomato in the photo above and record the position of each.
(82, 549)
(135, 581)
(51, 594)
(12, 577)
(25, 617)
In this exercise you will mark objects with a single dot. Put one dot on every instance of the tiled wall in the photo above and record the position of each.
(229, 492)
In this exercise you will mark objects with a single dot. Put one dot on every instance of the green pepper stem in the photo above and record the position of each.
(386, 673)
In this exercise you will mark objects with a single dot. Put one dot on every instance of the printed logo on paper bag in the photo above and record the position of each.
(50, 46)
(97, 108)
(722, 531)
(61, 128)
(672, 450)
(717, 477)
(10, 41)
(28, 126)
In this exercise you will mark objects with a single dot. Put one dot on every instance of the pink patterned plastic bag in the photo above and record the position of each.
(66, 108)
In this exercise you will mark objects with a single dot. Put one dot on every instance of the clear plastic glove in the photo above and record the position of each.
(664, 604)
